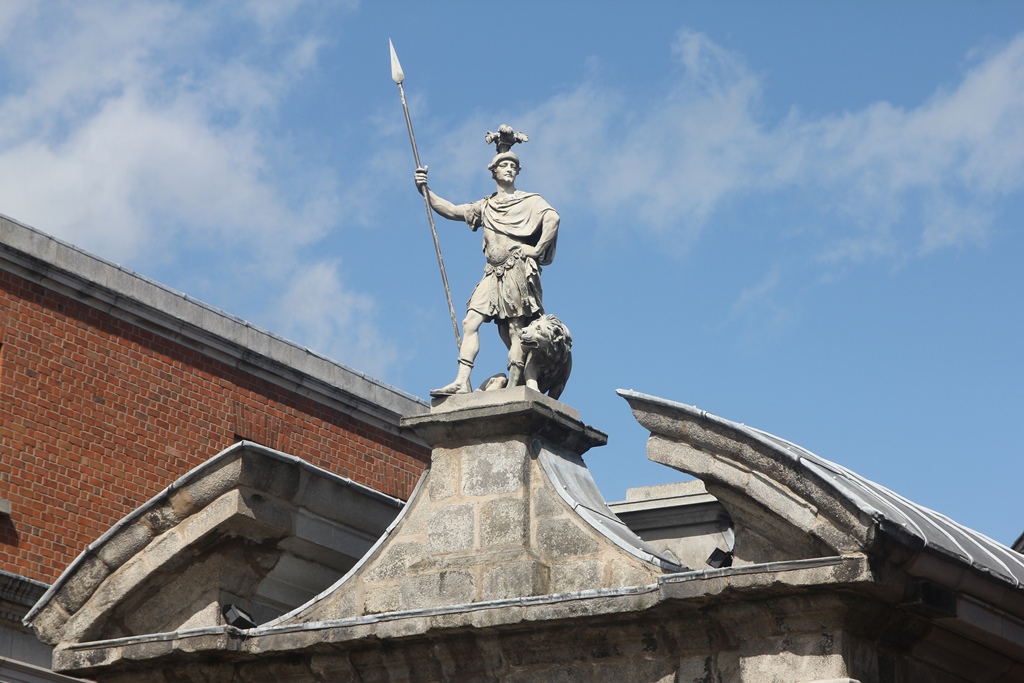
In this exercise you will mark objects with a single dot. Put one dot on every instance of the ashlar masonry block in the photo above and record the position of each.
(494, 468)
(515, 579)
(437, 588)
(451, 528)
(504, 521)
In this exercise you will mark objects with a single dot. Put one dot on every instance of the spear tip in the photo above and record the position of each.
(397, 75)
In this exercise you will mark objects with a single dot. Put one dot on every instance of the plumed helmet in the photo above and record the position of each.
(503, 141)
(502, 157)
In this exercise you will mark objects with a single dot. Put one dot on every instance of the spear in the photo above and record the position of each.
(397, 75)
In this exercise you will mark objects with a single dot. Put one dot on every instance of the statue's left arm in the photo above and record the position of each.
(544, 251)
(548, 234)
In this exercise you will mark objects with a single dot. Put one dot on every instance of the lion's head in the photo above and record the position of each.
(548, 334)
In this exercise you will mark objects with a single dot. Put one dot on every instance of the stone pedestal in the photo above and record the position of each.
(507, 510)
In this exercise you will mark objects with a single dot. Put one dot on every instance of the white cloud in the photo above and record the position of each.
(760, 302)
(144, 132)
(914, 180)
(119, 143)
(887, 182)
(951, 224)
(332, 319)
(762, 291)
(133, 178)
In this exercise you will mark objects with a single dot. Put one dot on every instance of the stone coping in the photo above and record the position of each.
(664, 497)
(671, 491)
(157, 308)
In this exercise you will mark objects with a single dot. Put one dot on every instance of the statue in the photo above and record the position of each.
(520, 230)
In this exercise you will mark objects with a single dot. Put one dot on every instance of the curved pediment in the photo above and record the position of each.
(788, 503)
(251, 527)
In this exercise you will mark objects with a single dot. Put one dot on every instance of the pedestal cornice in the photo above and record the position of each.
(487, 415)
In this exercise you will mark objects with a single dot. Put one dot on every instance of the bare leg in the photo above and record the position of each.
(516, 356)
(515, 372)
(467, 354)
(503, 332)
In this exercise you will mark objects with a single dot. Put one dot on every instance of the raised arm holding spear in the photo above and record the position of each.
(398, 76)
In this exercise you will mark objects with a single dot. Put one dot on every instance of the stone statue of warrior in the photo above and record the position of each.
(520, 230)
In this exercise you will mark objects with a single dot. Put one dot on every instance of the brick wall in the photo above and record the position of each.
(98, 415)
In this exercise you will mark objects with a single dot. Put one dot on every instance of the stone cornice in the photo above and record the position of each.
(686, 591)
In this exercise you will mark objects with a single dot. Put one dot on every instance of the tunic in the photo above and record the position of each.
(510, 287)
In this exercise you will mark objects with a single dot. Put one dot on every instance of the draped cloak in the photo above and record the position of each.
(510, 287)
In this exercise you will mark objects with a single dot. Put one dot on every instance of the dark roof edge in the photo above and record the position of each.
(20, 590)
(174, 315)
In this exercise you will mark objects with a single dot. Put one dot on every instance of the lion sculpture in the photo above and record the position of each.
(548, 346)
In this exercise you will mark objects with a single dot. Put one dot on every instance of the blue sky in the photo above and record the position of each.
(801, 216)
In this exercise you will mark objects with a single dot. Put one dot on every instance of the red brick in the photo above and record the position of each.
(97, 416)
